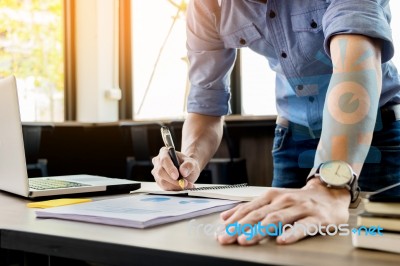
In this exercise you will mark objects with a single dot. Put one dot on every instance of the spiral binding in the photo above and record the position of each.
(218, 187)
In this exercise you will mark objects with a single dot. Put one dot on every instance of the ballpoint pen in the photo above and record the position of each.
(169, 144)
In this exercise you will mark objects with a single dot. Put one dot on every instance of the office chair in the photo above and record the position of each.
(142, 141)
(32, 135)
(231, 169)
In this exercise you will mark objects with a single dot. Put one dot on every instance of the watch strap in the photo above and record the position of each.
(353, 187)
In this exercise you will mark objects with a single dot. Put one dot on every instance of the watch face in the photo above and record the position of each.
(336, 173)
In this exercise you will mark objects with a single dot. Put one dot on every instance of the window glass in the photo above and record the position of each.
(395, 8)
(31, 48)
(258, 84)
(258, 80)
(159, 59)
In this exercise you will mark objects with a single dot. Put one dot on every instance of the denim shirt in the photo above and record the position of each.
(293, 35)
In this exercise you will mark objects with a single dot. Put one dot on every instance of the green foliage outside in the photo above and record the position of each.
(31, 45)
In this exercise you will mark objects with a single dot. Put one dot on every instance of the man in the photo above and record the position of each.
(337, 97)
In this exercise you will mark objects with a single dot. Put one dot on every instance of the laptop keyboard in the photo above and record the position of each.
(42, 184)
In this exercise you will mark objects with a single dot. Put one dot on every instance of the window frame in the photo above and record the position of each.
(125, 62)
(70, 95)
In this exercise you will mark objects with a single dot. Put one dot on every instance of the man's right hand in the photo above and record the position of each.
(166, 174)
(201, 136)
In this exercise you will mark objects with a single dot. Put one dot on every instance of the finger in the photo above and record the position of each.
(283, 209)
(286, 209)
(243, 228)
(189, 168)
(189, 185)
(228, 235)
(252, 228)
(186, 169)
(166, 185)
(296, 233)
(159, 171)
(162, 178)
(257, 203)
(226, 214)
(165, 162)
(270, 225)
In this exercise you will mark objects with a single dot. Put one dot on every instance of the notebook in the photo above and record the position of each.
(388, 242)
(389, 222)
(240, 192)
(387, 194)
(13, 170)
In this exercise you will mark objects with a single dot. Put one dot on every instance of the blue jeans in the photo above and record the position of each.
(293, 157)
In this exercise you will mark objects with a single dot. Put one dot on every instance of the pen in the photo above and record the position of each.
(169, 144)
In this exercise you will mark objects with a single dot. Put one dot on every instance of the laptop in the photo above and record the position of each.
(13, 170)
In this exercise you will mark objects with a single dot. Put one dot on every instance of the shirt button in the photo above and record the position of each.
(242, 41)
(299, 87)
(313, 24)
(284, 55)
(311, 99)
(272, 14)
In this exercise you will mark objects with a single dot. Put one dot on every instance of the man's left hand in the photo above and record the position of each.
(314, 204)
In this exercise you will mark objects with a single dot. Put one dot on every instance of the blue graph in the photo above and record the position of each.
(156, 199)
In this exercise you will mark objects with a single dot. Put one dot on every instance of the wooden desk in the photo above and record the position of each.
(170, 244)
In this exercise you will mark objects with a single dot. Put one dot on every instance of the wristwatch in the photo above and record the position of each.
(338, 174)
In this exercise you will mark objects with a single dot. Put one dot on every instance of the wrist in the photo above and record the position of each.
(340, 194)
(200, 156)
(337, 174)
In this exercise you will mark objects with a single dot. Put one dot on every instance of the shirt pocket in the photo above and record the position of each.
(307, 28)
(242, 37)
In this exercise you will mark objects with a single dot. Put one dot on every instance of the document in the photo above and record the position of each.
(138, 211)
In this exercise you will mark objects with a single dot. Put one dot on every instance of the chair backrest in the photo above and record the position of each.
(142, 142)
(35, 158)
(32, 137)
(232, 170)
(143, 138)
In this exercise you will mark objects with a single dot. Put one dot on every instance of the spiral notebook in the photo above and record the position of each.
(240, 192)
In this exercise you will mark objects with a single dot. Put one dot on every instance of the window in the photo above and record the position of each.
(395, 7)
(159, 59)
(257, 84)
(31, 48)
(160, 84)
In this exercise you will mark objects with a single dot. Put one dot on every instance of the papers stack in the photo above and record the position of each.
(138, 211)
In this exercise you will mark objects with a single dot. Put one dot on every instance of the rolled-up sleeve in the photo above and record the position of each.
(210, 63)
(365, 17)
